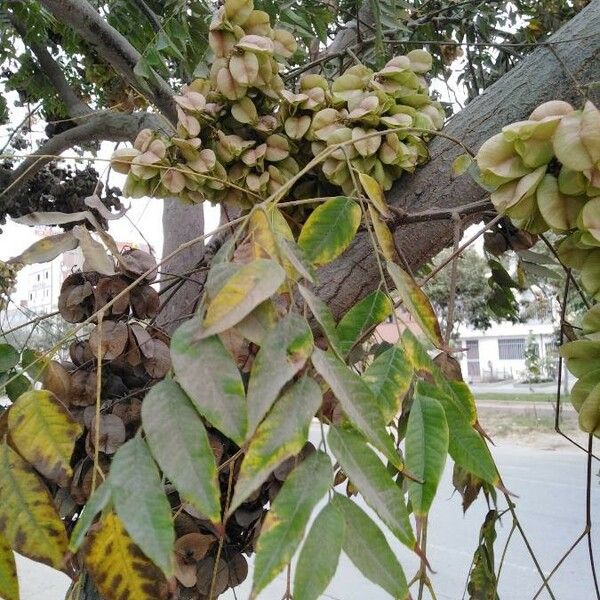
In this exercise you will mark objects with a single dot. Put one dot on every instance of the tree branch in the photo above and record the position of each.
(76, 107)
(112, 47)
(106, 126)
(149, 14)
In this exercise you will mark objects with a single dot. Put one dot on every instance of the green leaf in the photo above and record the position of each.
(357, 401)
(206, 371)
(324, 317)
(44, 432)
(320, 554)
(284, 525)
(370, 311)
(369, 475)
(179, 443)
(426, 447)
(9, 584)
(250, 285)
(98, 501)
(416, 353)
(28, 516)
(463, 394)
(416, 303)
(295, 257)
(141, 503)
(367, 548)
(258, 323)
(34, 363)
(284, 351)
(18, 386)
(389, 377)
(281, 435)
(329, 229)
(466, 446)
(9, 357)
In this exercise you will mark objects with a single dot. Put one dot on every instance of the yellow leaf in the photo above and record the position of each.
(28, 517)
(9, 584)
(118, 567)
(260, 237)
(383, 235)
(44, 433)
(417, 304)
(375, 193)
(242, 292)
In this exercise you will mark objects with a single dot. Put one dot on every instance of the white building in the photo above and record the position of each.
(38, 286)
(498, 353)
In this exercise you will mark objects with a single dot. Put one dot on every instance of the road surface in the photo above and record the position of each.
(550, 485)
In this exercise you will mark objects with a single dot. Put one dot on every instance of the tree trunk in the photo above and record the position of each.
(181, 223)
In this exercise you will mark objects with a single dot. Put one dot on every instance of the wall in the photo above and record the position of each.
(489, 354)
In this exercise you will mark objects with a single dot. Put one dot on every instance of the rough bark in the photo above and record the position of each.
(548, 73)
(111, 47)
(181, 223)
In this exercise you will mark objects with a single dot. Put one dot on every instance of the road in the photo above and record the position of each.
(550, 485)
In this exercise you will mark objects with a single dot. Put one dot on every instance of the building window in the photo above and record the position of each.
(511, 349)
(46, 274)
(38, 276)
(31, 296)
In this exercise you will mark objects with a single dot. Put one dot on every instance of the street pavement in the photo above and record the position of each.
(550, 485)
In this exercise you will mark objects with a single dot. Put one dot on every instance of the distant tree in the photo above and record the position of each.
(472, 291)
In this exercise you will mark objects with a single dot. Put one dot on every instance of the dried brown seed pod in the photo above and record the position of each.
(129, 411)
(135, 262)
(205, 576)
(76, 299)
(111, 435)
(145, 302)
(109, 288)
(238, 570)
(157, 359)
(189, 549)
(80, 353)
(109, 339)
(57, 380)
(83, 388)
(244, 517)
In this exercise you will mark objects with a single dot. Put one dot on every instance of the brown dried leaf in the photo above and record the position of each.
(449, 366)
